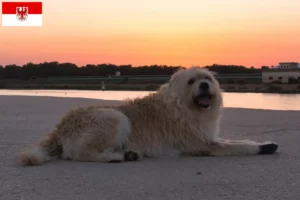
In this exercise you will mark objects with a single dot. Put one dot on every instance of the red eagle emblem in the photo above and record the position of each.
(22, 13)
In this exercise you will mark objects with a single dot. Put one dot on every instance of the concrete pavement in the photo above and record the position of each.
(24, 120)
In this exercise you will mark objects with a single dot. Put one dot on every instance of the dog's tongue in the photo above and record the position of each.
(204, 100)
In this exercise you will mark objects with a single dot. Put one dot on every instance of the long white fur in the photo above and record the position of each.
(166, 123)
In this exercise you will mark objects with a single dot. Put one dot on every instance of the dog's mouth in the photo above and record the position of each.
(203, 100)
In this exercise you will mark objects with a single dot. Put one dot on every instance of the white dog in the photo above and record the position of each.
(181, 118)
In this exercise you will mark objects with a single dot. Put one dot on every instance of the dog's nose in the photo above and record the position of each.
(204, 86)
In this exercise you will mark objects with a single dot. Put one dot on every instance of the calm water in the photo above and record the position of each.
(237, 100)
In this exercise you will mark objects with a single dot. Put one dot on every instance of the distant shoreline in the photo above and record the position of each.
(238, 88)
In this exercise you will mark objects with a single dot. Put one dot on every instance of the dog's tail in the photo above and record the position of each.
(47, 150)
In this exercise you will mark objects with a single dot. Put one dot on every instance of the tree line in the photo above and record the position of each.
(56, 69)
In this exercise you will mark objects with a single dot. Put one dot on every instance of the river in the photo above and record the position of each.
(236, 100)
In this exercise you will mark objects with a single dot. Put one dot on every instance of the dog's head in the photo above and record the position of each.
(196, 87)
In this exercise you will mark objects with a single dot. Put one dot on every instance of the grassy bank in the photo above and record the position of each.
(229, 83)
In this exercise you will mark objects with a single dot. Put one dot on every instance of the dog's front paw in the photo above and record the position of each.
(268, 148)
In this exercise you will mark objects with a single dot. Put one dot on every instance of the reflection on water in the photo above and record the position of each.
(262, 101)
(237, 100)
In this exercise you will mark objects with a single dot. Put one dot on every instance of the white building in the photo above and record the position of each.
(288, 65)
(285, 72)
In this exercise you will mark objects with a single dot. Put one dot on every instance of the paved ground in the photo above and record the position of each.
(24, 120)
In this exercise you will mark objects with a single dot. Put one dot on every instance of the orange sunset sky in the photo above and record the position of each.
(171, 32)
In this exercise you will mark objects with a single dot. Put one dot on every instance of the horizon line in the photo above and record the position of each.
(108, 63)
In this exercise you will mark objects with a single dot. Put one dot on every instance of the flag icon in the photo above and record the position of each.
(22, 14)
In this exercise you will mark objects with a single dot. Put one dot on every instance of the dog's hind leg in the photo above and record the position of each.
(102, 140)
(224, 147)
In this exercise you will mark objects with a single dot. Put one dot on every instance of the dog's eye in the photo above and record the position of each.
(191, 81)
(208, 78)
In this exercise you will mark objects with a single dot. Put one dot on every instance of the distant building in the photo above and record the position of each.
(118, 73)
(286, 72)
(288, 65)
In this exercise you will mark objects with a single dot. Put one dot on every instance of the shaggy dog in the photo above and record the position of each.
(181, 118)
